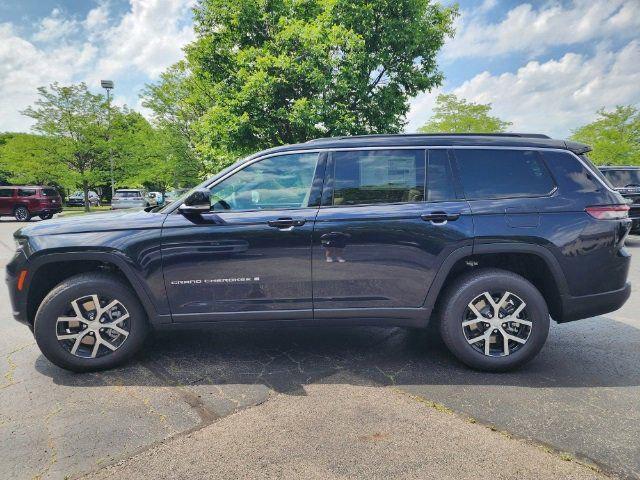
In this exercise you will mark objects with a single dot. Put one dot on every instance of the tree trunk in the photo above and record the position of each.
(85, 189)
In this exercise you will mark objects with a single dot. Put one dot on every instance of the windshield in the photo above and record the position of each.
(127, 195)
(623, 178)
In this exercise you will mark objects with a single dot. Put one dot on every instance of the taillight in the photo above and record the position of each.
(609, 212)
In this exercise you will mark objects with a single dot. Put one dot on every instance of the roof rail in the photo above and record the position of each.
(509, 134)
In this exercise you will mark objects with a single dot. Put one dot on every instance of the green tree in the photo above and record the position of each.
(614, 136)
(174, 116)
(77, 119)
(32, 159)
(261, 73)
(144, 155)
(457, 115)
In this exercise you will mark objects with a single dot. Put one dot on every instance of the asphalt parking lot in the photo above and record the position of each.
(581, 395)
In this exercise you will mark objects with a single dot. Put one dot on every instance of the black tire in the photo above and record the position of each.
(21, 213)
(46, 216)
(471, 286)
(58, 301)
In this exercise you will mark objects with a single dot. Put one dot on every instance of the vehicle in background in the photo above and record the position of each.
(129, 198)
(626, 181)
(26, 202)
(172, 195)
(155, 199)
(77, 199)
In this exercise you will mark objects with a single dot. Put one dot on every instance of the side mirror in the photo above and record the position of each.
(198, 201)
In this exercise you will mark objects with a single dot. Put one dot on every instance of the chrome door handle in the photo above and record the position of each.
(285, 223)
(440, 218)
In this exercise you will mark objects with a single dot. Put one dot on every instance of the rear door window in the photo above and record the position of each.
(367, 177)
(486, 173)
(6, 192)
(26, 192)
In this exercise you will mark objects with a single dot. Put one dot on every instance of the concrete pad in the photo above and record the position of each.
(341, 430)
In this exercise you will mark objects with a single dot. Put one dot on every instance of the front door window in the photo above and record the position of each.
(275, 183)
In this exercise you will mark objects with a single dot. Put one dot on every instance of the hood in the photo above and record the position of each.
(95, 222)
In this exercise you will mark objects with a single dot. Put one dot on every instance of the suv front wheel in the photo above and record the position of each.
(90, 322)
(494, 320)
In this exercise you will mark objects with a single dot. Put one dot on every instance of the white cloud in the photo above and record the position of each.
(97, 18)
(149, 37)
(135, 47)
(553, 97)
(531, 29)
(55, 27)
(24, 67)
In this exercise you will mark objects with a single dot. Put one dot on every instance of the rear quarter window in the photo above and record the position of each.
(487, 174)
(571, 175)
(49, 192)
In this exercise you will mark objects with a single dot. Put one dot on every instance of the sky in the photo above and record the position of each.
(546, 66)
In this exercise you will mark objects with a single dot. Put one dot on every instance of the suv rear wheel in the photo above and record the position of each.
(21, 213)
(90, 322)
(494, 320)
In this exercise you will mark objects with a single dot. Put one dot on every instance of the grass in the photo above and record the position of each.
(68, 211)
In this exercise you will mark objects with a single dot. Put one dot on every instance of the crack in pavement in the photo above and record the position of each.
(9, 380)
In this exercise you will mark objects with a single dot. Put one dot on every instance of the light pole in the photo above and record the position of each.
(108, 85)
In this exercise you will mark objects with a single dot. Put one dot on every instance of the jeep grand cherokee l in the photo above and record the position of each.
(487, 236)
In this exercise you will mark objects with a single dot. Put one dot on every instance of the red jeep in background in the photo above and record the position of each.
(26, 202)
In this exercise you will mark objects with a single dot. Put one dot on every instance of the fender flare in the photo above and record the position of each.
(114, 258)
(492, 248)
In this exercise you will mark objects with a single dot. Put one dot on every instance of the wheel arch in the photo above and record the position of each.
(533, 262)
(49, 270)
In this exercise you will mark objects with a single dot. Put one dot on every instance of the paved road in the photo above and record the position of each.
(581, 395)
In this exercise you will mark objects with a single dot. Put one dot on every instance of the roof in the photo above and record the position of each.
(439, 139)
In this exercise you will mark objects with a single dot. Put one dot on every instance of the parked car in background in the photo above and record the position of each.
(626, 180)
(129, 198)
(172, 195)
(77, 199)
(26, 202)
(155, 199)
(486, 236)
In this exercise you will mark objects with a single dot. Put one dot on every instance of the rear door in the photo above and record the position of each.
(6, 201)
(384, 230)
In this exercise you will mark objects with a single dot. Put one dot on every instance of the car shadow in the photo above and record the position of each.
(590, 353)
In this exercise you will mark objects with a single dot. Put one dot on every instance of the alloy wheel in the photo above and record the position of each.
(496, 323)
(93, 326)
(21, 214)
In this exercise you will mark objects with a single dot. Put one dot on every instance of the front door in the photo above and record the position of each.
(250, 256)
(383, 231)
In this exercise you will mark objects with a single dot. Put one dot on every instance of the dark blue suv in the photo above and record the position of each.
(486, 237)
